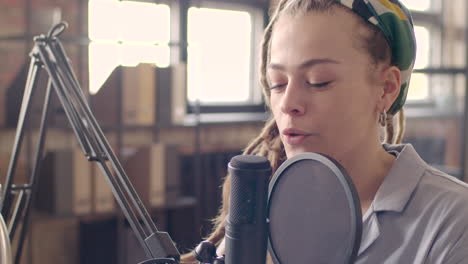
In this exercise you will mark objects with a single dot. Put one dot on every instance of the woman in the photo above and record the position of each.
(334, 73)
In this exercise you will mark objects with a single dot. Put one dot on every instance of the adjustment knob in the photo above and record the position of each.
(205, 252)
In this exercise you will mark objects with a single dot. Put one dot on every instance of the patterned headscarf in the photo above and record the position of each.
(396, 23)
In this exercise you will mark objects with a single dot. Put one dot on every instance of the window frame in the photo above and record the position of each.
(432, 21)
(178, 49)
(258, 12)
(170, 42)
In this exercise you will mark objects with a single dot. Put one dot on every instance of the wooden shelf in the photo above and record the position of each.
(181, 203)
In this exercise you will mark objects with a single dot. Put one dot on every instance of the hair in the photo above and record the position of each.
(268, 143)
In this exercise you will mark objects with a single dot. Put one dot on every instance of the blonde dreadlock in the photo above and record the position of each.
(390, 128)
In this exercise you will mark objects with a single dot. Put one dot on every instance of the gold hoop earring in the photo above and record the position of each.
(383, 118)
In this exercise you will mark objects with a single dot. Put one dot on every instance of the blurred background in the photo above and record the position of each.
(174, 86)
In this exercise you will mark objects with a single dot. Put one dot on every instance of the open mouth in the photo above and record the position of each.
(294, 136)
(292, 132)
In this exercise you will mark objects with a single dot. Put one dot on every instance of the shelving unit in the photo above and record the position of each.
(183, 218)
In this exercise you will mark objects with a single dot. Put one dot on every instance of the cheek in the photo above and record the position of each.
(354, 114)
(341, 111)
(364, 103)
(333, 105)
(275, 105)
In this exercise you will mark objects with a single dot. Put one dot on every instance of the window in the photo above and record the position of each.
(419, 5)
(427, 30)
(222, 55)
(126, 33)
(436, 98)
(419, 84)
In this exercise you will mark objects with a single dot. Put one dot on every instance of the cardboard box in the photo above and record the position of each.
(171, 85)
(103, 198)
(137, 88)
(155, 173)
(50, 239)
(65, 183)
(139, 94)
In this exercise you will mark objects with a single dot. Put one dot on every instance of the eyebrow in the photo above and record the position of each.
(305, 64)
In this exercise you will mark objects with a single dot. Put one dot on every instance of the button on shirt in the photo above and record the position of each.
(419, 215)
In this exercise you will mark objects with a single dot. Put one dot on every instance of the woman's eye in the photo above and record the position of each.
(277, 86)
(319, 85)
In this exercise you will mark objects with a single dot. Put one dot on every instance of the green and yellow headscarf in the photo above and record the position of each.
(396, 23)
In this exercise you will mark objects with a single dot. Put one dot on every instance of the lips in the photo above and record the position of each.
(294, 136)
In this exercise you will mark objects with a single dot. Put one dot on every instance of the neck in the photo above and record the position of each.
(367, 166)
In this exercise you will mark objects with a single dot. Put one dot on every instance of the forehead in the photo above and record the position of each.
(331, 34)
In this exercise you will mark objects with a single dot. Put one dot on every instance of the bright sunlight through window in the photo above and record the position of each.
(126, 33)
(419, 84)
(419, 5)
(219, 56)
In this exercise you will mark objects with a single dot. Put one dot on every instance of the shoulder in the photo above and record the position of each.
(440, 185)
(440, 203)
(425, 177)
(416, 184)
(443, 200)
(449, 182)
(446, 201)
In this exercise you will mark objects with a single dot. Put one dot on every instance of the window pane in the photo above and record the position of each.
(418, 89)
(134, 54)
(103, 16)
(145, 22)
(102, 61)
(423, 47)
(419, 84)
(128, 21)
(126, 33)
(219, 55)
(105, 57)
(419, 5)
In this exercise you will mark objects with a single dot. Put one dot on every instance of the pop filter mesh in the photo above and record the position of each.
(314, 214)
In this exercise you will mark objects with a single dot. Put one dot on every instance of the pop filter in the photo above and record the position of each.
(314, 212)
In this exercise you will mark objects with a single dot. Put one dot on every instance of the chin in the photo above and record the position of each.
(294, 152)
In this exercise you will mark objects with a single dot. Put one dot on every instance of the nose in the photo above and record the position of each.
(292, 102)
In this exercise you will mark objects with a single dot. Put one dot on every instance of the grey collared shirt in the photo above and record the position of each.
(419, 215)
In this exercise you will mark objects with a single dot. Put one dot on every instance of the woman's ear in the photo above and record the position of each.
(391, 79)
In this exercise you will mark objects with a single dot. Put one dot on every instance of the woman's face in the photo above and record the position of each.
(322, 95)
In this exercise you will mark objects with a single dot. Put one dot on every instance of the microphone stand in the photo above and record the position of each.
(49, 53)
(205, 252)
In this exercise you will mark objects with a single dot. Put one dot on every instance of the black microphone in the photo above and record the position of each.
(246, 229)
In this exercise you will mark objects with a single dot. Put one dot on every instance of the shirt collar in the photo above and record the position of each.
(402, 179)
(394, 192)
